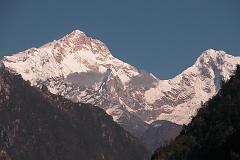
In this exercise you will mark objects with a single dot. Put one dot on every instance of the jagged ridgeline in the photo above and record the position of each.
(214, 133)
(83, 69)
(37, 125)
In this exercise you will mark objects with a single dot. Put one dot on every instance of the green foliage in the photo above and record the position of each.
(214, 132)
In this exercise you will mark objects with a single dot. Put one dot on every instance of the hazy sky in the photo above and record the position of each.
(161, 36)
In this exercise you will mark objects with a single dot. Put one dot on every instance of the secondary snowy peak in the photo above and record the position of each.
(218, 61)
(179, 98)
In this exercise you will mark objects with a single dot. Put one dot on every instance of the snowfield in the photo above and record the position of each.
(133, 98)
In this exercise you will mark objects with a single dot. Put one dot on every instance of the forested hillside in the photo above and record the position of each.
(37, 125)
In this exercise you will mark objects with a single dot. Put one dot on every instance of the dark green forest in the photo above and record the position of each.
(214, 133)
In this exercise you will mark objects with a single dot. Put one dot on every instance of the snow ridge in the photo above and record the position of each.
(132, 97)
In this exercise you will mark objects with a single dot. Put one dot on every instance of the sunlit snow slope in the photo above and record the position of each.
(82, 69)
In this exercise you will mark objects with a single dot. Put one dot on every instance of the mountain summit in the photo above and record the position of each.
(83, 69)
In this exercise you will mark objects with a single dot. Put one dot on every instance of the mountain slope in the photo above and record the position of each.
(82, 69)
(215, 131)
(180, 97)
(36, 125)
(76, 66)
(160, 133)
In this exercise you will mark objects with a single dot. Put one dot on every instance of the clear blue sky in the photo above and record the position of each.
(161, 36)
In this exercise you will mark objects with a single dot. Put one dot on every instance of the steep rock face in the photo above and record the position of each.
(82, 69)
(37, 125)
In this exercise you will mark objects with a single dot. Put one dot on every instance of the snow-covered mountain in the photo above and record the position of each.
(83, 69)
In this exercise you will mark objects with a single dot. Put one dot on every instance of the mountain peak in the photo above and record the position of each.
(77, 31)
(218, 58)
(213, 53)
(75, 37)
(81, 62)
(210, 50)
(78, 40)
